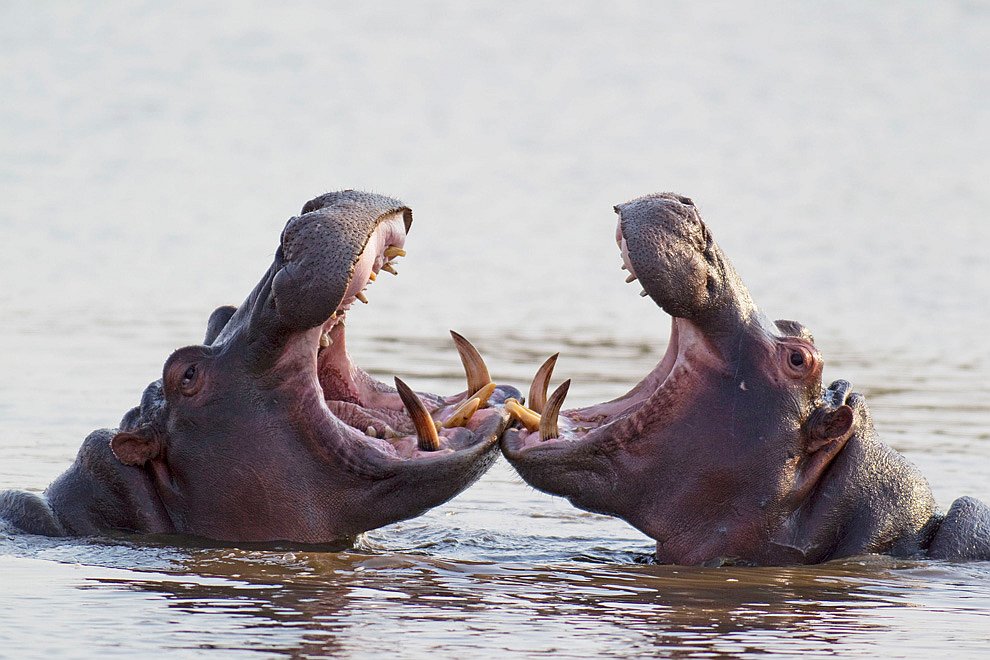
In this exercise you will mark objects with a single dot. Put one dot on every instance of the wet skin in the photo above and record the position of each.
(732, 449)
(267, 432)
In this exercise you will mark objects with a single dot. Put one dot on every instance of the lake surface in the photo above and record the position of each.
(149, 157)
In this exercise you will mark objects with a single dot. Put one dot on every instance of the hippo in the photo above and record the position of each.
(731, 450)
(266, 432)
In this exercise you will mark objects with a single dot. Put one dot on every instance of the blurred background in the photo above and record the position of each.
(840, 152)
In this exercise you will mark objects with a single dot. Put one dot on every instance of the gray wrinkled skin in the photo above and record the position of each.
(732, 449)
(236, 442)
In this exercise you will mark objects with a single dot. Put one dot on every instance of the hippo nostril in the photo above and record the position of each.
(838, 392)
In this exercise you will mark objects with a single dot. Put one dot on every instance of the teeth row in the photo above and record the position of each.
(480, 389)
(543, 415)
(630, 278)
(391, 252)
(545, 423)
(386, 432)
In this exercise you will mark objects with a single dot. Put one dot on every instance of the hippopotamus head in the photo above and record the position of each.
(268, 432)
(729, 447)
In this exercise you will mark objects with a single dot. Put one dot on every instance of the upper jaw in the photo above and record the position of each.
(376, 413)
(668, 248)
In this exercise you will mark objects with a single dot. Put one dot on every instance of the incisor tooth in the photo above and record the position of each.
(372, 431)
(474, 364)
(485, 393)
(548, 421)
(623, 266)
(372, 276)
(643, 293)
(462, 415)
(630, 278)
(360, 296)
(391, 252)
(426, 431)
(325, 340)
(389, 268)
(523, 415)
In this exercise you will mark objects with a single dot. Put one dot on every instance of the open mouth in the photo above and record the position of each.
(396, 420)
(543, 424)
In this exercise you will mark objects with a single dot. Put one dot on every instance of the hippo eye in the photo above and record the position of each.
(799, 360)
(188, 382)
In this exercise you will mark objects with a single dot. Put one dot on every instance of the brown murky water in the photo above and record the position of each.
(149, 157)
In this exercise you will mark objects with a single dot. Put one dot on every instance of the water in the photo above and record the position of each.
(149, 157)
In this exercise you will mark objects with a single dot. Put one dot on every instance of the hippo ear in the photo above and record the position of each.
(218, 320)
(829, 427)
(826, 433)
(136, 447)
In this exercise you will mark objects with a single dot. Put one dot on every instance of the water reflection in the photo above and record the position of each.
(343, 603)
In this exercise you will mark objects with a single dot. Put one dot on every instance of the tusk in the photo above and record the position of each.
(541, 381)
(484, 393)
(360, 296)
(389, 268)
(462, 415)
(474, 364)
(391, 252)
(426, 430)
(548, 422)
(523, 415)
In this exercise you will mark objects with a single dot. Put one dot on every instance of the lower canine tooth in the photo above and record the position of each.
(372, 431)
(474, 364)
(426, 430)
(548, 422)
(360, 296)
(538, 390)
(325, 340)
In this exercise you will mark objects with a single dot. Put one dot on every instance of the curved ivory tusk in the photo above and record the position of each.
(548, 420)
(474, 364)
(541, 382)
(426, 430)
